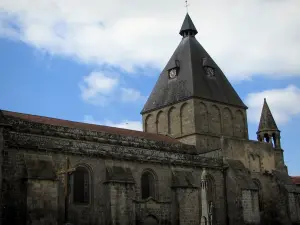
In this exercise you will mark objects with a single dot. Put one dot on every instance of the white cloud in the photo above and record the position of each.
(126, 124)
(97, 87)
(131, 95)
(244, 37)
(283, 104)
(100, 88)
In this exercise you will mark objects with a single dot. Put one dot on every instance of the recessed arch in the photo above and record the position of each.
(215, 120)
(161, 121)
(148, 184)
(81, 184)
(185, 118)
(201, 117)
(150, 125)
(239, 124)
(150, 220)
(227, 122)
(173, 121)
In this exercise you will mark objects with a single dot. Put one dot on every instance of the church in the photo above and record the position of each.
(192, 164)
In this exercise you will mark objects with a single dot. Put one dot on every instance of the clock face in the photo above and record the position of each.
(172, 73)
(210, 71)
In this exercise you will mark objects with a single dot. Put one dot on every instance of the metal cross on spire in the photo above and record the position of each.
(187, 5)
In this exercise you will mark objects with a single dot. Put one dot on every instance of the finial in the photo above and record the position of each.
(187, 5)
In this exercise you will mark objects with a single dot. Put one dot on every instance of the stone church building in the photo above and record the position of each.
(193, 163)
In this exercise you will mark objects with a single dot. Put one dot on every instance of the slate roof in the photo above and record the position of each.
(92, 127)
(2, 119)
(192, 81)
(267, 122)
(188, 25)
(296, 180)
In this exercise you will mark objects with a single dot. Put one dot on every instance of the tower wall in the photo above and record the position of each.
(198, 122)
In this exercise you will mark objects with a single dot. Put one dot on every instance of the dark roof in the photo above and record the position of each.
(296, 180)
(2, 119)
(267, 122)
(188, 25)
(92, 127)
(192, 81)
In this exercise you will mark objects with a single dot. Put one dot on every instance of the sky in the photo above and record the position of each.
(97, 61)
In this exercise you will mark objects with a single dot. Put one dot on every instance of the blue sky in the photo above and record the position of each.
(89, 65)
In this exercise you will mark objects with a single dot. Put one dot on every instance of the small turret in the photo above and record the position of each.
(267, 129)
(188, 27)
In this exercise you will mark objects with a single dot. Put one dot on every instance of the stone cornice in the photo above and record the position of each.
(28, 127)
(151, 200)
(28, 141)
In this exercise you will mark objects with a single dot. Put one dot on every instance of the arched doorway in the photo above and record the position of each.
(150, 220)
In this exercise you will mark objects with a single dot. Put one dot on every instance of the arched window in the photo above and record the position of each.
(148, 185)
(81, 185)
(211, 189)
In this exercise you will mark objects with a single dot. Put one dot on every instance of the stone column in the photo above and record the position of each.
(205, 218)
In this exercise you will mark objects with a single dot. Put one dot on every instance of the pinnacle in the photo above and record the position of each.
(267, 122)
(188, 25)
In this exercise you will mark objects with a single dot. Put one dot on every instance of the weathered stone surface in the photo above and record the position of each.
(55, 171)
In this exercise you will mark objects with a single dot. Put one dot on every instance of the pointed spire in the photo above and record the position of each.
(193, 79)
(267, 122)
(188, 27)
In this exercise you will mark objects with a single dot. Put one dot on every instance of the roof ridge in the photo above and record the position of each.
(58, 119)
(88, 126)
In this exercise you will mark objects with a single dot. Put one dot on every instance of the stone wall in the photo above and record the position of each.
(42, 202)
(274, 199)
(122, 207)
(213, 153)
(294, 207)
(1, 162)
(14, 191)
(87, 149)
(198, 122)
(189, 207)
(256, 156)
(250, 206)
(160, 210)
(176, 120)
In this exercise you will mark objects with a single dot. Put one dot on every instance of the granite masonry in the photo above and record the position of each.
(193, 163)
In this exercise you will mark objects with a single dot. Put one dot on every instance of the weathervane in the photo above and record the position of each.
(187, 5)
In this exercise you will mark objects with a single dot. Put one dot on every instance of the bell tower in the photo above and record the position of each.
(192, 99)
(268, 132)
